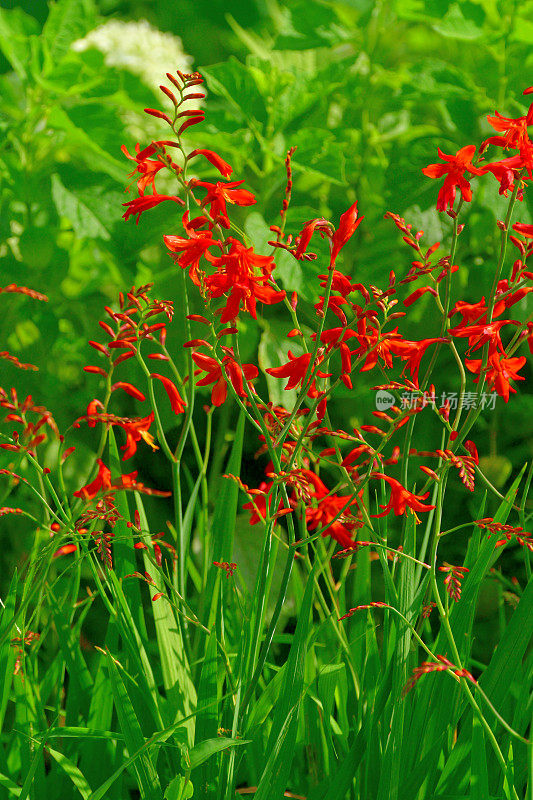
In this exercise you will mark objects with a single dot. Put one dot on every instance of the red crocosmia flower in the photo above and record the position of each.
(340, 283)
(348, 224)
(147, 168)
(401, 498)
(65, 550)
(93, 410)
(327, 509)
(337, 337)
(145, 202)
(129, 389)
(176, 401)
(412, 352)
(137, 429)
(475, 312)
(218, 194)
(478, 335)
(102, 482)
(222, 166)
(515, 136)
(525, 230)
(499, 372)
(508, 170)
(217, 374)
(454, 169)
(295, 370)
(237, 277)
(192, 248)
(308, 229)
(377, 345)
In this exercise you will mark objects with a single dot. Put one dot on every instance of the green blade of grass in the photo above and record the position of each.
(204, 778)
(149, 785)
(437, 708)
(179, 688)
(282, 738)
(223, 524)
(70, 769)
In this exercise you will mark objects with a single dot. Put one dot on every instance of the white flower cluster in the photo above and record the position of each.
(139, 48)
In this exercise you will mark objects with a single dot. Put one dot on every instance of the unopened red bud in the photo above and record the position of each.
(159, 114)
(169, 94)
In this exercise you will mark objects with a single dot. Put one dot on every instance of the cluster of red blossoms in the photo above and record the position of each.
(232, 280)
(356, 329)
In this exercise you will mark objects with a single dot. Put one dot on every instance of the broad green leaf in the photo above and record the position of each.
(15, 29)
(83, 147)
(179, 788)
(82, 219)
(67, 21)
(223, 523)
(235, 83)
(456, 26)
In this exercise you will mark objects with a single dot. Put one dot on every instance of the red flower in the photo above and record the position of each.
(499, 372)
(480, 334)
(192, 248)
(232, 370)
(176, 401)
(412, 352)
(236, 276)
(146, 167)
(401, 498)
(137, 429)
(145, 202)
(454, 169)
(218, 194)
(328, 508)
(295, 370)
(222, 166)
(348, 224)
(102, 482)
(514, 131)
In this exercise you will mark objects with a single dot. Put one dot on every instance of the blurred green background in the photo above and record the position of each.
(366, 90)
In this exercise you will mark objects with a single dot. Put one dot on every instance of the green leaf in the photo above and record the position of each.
(72, 771)
(147, 776)
(455, 25)
(179, 688)
(82, 146)
(67, 21)
(234, 81)
(285, 723)
(179, 788)
(223, 523)
(207, 717)
(82, 219)
(201, 752)
(15, 29)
